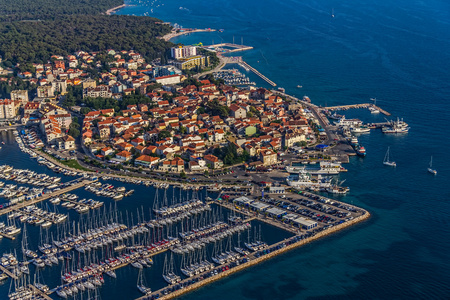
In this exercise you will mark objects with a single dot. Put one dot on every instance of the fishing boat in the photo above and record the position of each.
(360, 129)
(387, 161)
(361, 151)
(398, 126)
(430, 168)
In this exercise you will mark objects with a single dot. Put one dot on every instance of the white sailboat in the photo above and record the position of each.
(430, 169)
(141, 284)
(387, 161)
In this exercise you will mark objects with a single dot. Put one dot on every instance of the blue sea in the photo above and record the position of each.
(395, 51)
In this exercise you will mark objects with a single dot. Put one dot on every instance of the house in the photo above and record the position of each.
(292, 138)
(219, 135)
(237, 112)
(65, 143)
(268, 157)
(174, 165)
(213, 161)
(198, 165)
(123, 156)
(107, 151)
(146, 161)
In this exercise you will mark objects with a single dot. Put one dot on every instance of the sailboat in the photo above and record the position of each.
(141, 284)
(168, 274)
(387, 161)
(430, 169)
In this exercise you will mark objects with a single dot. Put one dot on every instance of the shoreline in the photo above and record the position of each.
(263, 258)
(173, 34)
(112, 10)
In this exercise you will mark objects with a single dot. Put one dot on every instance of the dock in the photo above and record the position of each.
(39, 293)
(187, 285)
(7, 272)
(231, 47)
(45, 197)
(353, 106)
(246, 65)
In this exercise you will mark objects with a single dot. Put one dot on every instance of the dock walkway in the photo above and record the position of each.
(7, 272)
(352, 106)
(251, 262)
(39, 293)
(258, 73)
(45, 197)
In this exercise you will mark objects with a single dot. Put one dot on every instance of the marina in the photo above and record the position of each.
(197, 235)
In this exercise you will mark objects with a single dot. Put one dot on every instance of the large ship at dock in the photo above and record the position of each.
(326, 168)
(304, 180)
(348, 122)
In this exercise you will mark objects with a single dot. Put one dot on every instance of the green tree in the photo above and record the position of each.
(163, 134)
(74, 132)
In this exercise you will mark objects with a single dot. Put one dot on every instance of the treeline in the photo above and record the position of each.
(37, 41)
(16, 10)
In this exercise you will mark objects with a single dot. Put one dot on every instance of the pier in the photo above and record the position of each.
(39, 293)
(7, 272)
(231, 47)
(45, 197)
(246, 65)
(353, 106)
(284, 246)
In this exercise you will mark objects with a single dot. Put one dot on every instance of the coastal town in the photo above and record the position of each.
(184, 125)
(176, 125)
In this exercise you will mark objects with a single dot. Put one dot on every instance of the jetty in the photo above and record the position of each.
(7, 272)
(228, 47)
(39, 293)
(176, 32)
(45, 197)
(353, 106)
(246, 65)
(192, 283)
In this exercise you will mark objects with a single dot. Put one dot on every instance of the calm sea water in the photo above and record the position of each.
(395, 51)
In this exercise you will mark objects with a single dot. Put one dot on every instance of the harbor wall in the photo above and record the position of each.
(263, 258)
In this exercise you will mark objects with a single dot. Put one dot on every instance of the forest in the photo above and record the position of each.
(36, 41)
(18, 10)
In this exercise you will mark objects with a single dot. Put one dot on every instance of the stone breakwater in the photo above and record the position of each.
(260, 259)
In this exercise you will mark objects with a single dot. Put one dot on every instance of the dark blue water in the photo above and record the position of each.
(395, 51)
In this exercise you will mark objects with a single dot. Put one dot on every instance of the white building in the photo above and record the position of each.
(181, 52)
(7, 109)
(20, 95)
(170, 79)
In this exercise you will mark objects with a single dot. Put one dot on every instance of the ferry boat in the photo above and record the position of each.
(304, 180)
(326, 168)
(398, 126)
(348, 122)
